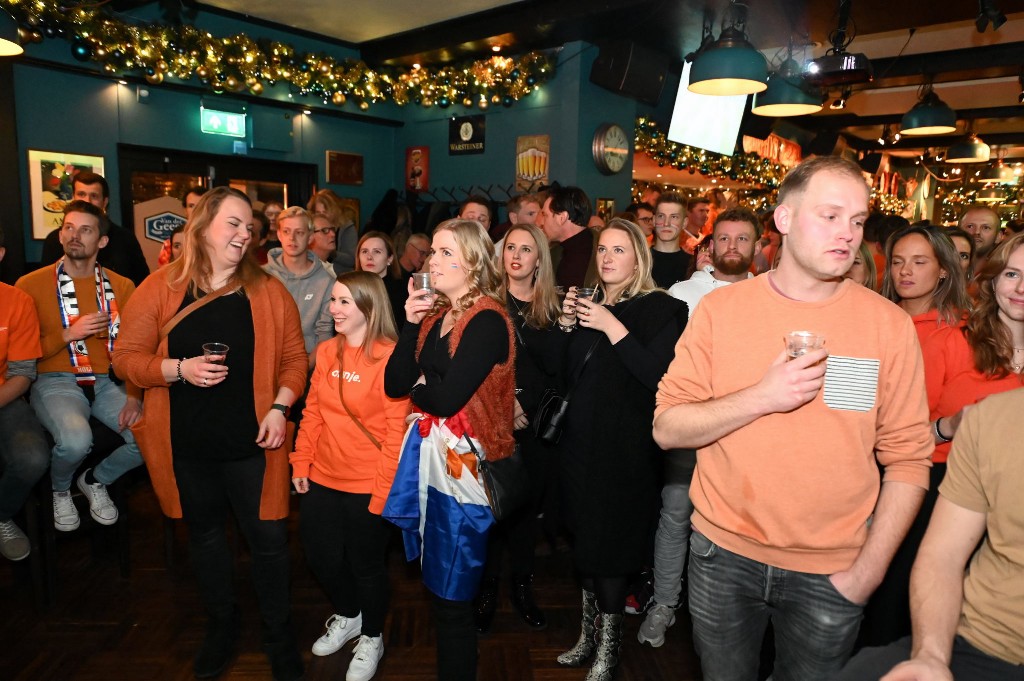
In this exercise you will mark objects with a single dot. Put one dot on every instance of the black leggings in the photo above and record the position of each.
(346, 547)
(610, 592)
(456, 640)
(208, 491)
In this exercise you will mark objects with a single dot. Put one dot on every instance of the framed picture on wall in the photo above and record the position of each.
(49, 179)
(344, 168)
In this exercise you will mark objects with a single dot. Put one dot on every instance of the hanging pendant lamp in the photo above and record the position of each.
(930, 116)
(786, 94)
(990, 195)
(729, 65)
(971, 150)
(9, 45)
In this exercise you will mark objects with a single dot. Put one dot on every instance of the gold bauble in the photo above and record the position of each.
(155, 79)
(496, 99)
(468, 101)
(256, 88)
(101, 53)
(364, 106)
(325, 68)
(203, 72)
(161, 66)
(338, 98)
(483, 103)
(231, 83)
(251, 80)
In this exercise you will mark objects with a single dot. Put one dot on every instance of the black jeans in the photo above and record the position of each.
(208, 491)
(346, 547)
(967, 664)
(456, 640)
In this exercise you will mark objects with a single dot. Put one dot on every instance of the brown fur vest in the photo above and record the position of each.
(490, 409)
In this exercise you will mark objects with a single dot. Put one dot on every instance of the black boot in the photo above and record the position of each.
(486, 603)
(285, 660)
(218, 646)
(522, 601)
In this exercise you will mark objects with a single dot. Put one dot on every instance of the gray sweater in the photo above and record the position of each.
(312, 294)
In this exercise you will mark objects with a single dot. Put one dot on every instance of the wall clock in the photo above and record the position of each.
(611, 148)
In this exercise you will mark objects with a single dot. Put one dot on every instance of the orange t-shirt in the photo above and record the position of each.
(331, 450)
(796, 490)
(952, 380)
(19, 328)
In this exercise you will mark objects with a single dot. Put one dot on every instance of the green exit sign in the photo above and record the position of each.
(214, 122)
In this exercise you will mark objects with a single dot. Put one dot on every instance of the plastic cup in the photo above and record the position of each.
(586, 291)
(215, 353)
(801, 342)
(421, 282)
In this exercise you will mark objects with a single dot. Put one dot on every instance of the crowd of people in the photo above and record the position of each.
(832, 493)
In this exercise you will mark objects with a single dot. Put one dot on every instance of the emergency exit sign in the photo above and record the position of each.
(214, 122)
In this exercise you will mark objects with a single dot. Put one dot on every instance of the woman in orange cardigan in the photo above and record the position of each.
(343, 464)
(213, 427)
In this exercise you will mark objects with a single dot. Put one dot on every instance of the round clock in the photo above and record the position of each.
(611, 148)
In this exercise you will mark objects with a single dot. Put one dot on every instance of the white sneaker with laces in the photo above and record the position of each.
(659, 619)
(101, 508)
(65, 515)
(14, 545)
(340, 630)
(364, 663)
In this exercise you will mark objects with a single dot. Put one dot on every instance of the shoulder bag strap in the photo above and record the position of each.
(189, 309)
(586, 358)
(341, 394)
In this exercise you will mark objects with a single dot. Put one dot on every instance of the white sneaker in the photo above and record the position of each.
(14, 545)
(659, 619)
(340, 630)
(65, 515)
(101, 508)
(364, 663)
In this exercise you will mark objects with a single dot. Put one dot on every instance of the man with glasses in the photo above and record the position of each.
(323, 238)
(644, 213)
(416, 250)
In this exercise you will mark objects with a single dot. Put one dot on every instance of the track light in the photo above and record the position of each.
(987, 11)
(840, 102)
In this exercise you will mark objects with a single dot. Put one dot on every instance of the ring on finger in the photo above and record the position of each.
(206, 381)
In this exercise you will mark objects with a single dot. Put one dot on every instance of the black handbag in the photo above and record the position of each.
(549, 421)
(506, 482)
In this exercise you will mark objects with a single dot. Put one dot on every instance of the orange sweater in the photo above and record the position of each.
(280, 361)
(796, 490)
(331, 450)
(952, 380)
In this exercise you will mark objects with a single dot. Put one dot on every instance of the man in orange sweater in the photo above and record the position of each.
(790, 522)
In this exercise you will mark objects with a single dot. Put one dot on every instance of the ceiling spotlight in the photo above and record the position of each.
(987, 11)
(840, 102)
(888, 136)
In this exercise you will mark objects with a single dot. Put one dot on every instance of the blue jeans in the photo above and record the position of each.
(24, 454)
(732, 599)
(64, 410)
(673, 526)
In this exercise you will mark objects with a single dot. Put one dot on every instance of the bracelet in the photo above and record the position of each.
(938, 433)
(178, 371)
(565, 329)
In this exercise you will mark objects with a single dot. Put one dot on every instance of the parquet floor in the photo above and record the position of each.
(146, 627)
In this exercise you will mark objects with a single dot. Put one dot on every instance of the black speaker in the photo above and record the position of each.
(630, 69)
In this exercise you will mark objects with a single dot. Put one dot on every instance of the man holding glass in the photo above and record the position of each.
(791, 523)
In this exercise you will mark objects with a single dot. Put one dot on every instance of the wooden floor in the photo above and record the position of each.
(147, 627)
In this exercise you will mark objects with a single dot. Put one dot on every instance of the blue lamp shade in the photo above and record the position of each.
(9, 45)
(730, 66)
(785, 97)
(930, 116)
(971, 150)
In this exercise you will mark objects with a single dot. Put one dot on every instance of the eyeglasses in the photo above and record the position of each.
(646, 221)
(326, 230)
(422, 253)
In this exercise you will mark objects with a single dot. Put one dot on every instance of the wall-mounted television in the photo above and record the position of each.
(709, 122)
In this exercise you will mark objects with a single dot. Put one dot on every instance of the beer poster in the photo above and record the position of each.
(417, 169)
(532, 155)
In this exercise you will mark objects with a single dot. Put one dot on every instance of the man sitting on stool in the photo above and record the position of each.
(77, 301)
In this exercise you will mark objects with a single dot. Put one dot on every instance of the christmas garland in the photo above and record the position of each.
(240, 62)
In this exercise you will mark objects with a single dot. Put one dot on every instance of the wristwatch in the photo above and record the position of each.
(284, 409)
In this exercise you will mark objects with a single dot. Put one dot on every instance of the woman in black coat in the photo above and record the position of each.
(609, 463)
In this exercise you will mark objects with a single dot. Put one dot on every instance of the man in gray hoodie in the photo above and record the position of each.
(304, 275)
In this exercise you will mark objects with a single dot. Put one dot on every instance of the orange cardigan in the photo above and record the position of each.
(140, 350)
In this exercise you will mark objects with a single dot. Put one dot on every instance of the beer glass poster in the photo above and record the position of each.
(532, 152)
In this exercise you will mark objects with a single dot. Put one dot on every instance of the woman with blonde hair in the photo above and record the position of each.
(376, 253)
(455, 359)
(924, 278)
(214, 419)
(344, 461)
(622, 340)
(328, 204)
(528, 287)
(862, 270)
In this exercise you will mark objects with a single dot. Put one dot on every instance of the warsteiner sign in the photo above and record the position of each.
(466, 135)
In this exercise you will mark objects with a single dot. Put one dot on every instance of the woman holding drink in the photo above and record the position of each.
(622, 339)
(225, 414)
(455, 359)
